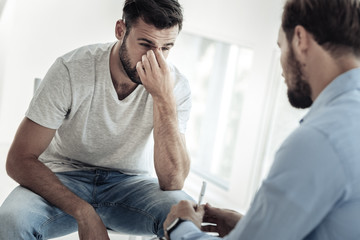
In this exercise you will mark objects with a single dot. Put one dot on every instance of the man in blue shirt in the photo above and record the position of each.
(312, 190)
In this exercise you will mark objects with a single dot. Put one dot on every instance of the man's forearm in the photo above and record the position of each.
(170, 155)
(172, 161)
(34, 175)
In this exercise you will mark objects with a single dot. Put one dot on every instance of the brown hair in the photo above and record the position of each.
(162, 14)
(334, 24)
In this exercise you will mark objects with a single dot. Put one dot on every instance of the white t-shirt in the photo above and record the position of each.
(94, 128)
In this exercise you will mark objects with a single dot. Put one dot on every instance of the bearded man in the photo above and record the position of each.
(312, 190)
(81, 153)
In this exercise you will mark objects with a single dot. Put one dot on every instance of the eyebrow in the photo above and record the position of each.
(152, 43)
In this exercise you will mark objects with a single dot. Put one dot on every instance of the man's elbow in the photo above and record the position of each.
(15, 165)
(172, 184)
(11, 166)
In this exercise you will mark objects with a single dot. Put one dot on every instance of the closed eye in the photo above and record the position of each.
(145, 45)
(149, 46)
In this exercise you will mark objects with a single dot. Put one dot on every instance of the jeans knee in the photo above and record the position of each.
(14, 225)
(8, 218)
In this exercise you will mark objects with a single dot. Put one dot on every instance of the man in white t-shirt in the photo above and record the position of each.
(83, 151)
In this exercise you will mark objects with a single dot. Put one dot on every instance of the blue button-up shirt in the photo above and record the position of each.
(313, 188)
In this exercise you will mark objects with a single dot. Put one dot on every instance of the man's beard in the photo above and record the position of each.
(299, 91)
(125, 61)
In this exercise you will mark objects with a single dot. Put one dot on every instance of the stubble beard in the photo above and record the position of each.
(299, 94)
(126, 64)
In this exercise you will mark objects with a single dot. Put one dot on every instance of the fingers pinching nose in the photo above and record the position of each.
(140, 65)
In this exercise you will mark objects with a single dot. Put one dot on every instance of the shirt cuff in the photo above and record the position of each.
(186, 227)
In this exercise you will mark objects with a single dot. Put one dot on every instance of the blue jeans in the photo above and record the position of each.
(125, 203)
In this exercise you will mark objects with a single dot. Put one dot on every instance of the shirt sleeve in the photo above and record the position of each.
(188, 231)
(52, 100)
(304, 184)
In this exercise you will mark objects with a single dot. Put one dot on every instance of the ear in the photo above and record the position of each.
(120, 29)
(301, 41)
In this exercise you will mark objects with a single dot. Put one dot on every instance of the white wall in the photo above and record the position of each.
(37, 32)
(33, 33)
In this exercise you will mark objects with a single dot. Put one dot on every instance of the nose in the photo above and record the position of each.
(155, 48)
(159, 49)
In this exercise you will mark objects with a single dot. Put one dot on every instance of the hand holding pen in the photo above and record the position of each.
(202, 193)
(185, 211)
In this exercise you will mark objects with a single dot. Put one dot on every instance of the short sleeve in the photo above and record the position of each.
(52, 101)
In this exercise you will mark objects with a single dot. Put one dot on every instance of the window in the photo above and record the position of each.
(230, 147)
(217, 73)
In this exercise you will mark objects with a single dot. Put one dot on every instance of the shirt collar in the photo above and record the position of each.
(343, 83)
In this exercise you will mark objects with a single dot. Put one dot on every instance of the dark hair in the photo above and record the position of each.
(334, 24)
(162, 14)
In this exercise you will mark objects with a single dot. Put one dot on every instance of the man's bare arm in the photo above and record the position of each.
(172, 162)
(24, 167)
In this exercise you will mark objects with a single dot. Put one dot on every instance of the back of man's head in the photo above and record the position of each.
(334, 24)
(162, 14)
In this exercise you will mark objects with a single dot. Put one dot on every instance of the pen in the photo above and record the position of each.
(202, 193)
